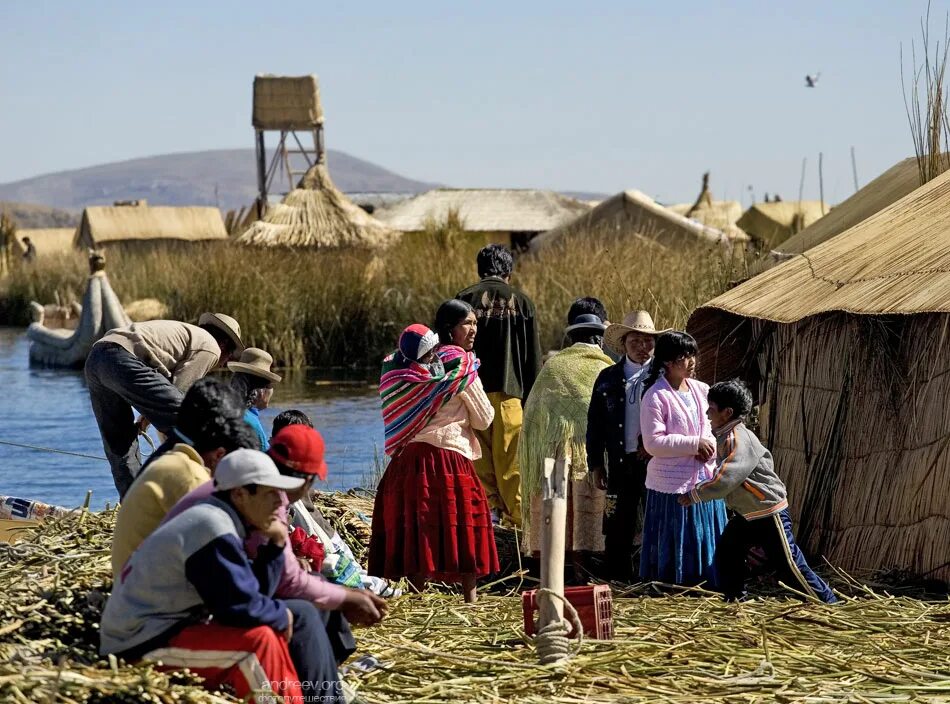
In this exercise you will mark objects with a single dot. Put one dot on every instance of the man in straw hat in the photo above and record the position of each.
(149, 366)
(196, 564)
(254, 381)
(615, 454)
(555, 423)
(509, 349)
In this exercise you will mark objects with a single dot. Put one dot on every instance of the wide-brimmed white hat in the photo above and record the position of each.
(243, 467)
(226, 324)
(256, 362)
(635, 321)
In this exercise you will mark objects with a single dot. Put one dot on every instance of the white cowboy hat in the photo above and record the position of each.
(226, 324)
(635, 321)
(256, 362)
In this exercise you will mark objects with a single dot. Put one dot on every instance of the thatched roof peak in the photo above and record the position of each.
(317, 214)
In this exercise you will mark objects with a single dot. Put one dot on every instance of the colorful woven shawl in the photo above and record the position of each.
(411, 394)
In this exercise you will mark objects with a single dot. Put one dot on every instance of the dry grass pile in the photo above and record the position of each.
(870, 648)
(53, 585)
(346, 307)
(671, 649)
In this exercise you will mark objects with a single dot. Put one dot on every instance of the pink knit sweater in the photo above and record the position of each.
(671, 433)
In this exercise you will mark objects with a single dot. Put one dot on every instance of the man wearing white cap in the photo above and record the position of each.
(149, 366)
(615, 455)
(191, 597)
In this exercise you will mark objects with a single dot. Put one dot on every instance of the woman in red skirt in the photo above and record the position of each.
(431, 519)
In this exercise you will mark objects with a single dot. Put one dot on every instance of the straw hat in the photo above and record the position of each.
(226, 324)
(635, 321)
(256, 362)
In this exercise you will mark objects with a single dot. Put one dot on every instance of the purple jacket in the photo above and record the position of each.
(295, 581)
(671, 434)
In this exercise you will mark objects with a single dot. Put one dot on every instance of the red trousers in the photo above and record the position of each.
(250, 660)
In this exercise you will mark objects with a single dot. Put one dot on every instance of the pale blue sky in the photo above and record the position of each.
(586, 96)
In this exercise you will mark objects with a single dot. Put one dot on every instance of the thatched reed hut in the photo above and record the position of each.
(49, 242)
(634, 214)
(317, 214)
(719, 214)
(770, 224)
(134, 224)
(502, 215)
(846, 347)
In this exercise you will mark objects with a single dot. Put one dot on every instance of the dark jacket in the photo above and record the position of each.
(606, 416)
(507, 342)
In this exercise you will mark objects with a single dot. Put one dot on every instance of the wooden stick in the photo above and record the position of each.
(553, 532)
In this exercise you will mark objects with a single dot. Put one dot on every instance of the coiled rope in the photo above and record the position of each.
(551, 641)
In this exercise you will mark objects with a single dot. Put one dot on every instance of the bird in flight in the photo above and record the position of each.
(811, 81)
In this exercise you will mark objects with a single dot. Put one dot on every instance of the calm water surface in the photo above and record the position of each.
(50, 408)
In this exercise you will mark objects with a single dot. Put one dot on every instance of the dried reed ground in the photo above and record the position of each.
(871, 648)
(345, 308)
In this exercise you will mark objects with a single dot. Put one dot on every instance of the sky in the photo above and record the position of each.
(596, 96)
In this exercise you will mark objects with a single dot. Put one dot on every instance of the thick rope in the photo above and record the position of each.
(551, 641)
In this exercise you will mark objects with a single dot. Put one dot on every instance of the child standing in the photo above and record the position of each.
(745, 478)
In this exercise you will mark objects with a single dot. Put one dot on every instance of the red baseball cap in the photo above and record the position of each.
(299, 448)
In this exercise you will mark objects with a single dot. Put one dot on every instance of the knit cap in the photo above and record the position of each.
(417, 341)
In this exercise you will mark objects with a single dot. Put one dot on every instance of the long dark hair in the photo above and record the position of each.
(670, 346)
(450, 313)
(246, 384)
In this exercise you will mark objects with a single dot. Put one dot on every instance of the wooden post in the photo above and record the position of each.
(261, 175)
(821, 184)
(553, 533)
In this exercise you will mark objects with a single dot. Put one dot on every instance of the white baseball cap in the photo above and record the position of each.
(243, 467)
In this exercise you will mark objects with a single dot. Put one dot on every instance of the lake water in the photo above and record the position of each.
(50, 408)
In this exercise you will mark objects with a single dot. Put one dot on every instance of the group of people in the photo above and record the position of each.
(209, 571)
(657, 459)
(210, 574)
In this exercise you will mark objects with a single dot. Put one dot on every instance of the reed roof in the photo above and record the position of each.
(632, 214)
(890, 186)
(485, 210)
(126, 223)
(286, 103)
(317, 214)
(772, 223)
(48, 241)
(896, 261)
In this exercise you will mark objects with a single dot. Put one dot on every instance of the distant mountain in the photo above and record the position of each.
(28, 215)
(224, 177)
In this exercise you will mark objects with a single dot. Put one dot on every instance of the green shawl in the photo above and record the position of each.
(555, 416)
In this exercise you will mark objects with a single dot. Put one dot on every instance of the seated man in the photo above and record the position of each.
(190, 591)
(297, 451)
(210, 423)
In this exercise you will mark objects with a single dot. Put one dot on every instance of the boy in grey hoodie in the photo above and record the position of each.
(746, 479)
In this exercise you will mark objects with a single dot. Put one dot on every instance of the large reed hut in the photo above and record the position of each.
(502, 215)
(846, 347)
(317, 214)
(49, 242)
(770, 224)
(719, 214)
(634, 214)
(134, 224)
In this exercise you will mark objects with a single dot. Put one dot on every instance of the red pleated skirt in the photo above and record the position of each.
(431, 518)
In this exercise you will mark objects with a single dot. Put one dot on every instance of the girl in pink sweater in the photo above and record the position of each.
(679, 542)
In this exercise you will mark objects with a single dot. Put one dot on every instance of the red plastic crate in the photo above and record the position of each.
(593, 604)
